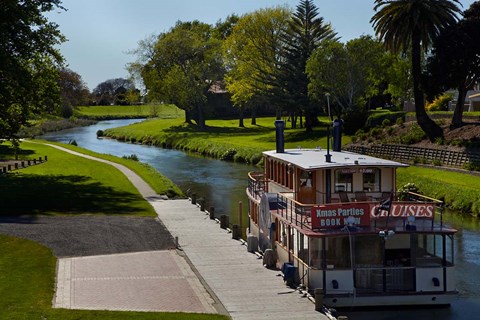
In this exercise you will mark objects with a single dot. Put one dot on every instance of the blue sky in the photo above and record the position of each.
(100, 32)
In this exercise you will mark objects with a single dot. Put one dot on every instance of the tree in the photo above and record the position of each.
(455, 60)
(187, 61)
(73, 91)
(348, 72)
(253, 55)
(113, 91)
(29, 62)
(413, 25)
(304, 34)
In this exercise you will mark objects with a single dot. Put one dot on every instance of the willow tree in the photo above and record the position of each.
(185, 62)
(413, 25)
(253, 54)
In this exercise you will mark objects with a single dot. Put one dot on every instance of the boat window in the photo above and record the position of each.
(316, 253)
(368, 251)
(429, 251)
(338, 253)
(371, 179)
(306, 179)
(343, 180)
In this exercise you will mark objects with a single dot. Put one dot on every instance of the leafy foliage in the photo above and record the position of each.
(440, 103)
(29, 62)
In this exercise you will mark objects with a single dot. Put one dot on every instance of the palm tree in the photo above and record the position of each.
(414, 24)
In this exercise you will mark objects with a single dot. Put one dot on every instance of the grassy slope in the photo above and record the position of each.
(223, 139)
(27, 279)
(68, 184)
(460, 191)
(120, 112)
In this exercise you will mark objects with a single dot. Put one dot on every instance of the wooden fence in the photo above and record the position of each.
(409, 154)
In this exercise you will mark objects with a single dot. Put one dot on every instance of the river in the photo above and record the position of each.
(223, 185)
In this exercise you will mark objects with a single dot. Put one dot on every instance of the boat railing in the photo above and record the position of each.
(294, 211)
(256, 184)
(379, 279)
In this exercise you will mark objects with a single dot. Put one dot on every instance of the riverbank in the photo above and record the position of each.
(224, 140)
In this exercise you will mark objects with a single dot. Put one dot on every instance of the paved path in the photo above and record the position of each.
(232, 275)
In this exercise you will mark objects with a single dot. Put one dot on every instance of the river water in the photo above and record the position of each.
(223, 185)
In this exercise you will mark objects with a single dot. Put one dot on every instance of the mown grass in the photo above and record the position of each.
(129, 112)
(27, 281)
(460, 191)
(67, 184)
(222, 139)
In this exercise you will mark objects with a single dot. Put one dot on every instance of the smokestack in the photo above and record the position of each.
(279, 127)
(337, 135)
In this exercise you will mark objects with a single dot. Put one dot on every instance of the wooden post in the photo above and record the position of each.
(194, 198)
(34, 161)
(202, 204)
(28, 162)
(240, 214)
(46, 158)
(212, 213)
(16, 165)
(223, 221)
(318, 299)
(39, 159)
(23, 164)
(236, 232)
(9, 167)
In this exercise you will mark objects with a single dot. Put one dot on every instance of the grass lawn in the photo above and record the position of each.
(460, 191)
(121, 112)
(67, 184)
(222, 139)
(27, 281)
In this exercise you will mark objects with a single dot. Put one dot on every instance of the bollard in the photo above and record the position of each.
(176, 242)
(4, 169)
(212, 213)
(223, 221)
(28, 162)
(23, 164)
(39, 159)
(194, 198)
(46, 158)
(236, 232)
(202, 204)
(16, 166)
(318, 299)
(34, 161)
(9, 167)
(240, 206)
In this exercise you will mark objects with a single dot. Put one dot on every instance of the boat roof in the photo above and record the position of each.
(309, 159)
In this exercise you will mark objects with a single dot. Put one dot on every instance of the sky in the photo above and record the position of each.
(100, 33)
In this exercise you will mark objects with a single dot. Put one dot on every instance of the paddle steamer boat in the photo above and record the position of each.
(334, 224)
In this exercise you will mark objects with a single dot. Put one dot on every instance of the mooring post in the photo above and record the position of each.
(9, 167)
(46, 158)
(236, 232)
(223, 221)
(16, 165)
(240, 209)
(194, 198)
(318, 299)
(212, 213)
(202, 204)
(28, 162)
(23, 164)
(176, 242)
(39, 159)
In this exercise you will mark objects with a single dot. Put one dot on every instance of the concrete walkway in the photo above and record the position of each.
(230, 274)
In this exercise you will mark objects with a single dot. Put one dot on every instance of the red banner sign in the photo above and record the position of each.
(340, 215)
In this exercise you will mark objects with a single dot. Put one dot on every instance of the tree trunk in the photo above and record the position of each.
(294, 119)
(308, 121)
(431, 129)
(457, 119)
(240, 117)
(254, 116)
(200, 117)
(188, 117)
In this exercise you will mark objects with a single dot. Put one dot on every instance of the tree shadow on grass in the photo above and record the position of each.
(221, 130)
(8, 152)
(39, 194)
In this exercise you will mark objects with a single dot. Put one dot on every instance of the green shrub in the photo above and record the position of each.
(403, 191)
(472, 166)
(133, 157)
(399, 122)
(440, 103)
(386, 122)
(100, 133)
(414, 135)
(377, 119)
(437, 162)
